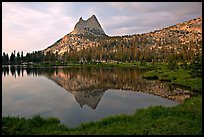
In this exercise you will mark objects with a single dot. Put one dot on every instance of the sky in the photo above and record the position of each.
(33, 26)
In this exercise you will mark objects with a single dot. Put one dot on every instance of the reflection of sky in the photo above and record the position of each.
(28, 95)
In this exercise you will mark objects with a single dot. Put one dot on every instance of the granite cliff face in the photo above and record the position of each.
(90, 26)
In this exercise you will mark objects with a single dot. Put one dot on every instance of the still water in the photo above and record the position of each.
(77, 94)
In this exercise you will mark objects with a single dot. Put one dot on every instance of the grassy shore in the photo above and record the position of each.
(180, 77)
(138, 65)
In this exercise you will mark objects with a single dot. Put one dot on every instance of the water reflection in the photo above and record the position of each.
(99, 92)
(88, 84)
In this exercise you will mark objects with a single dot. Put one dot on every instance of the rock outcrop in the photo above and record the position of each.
(90, 26)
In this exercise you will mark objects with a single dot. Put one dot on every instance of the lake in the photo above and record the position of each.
(78, 94)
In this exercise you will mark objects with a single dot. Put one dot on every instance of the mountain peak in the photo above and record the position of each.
(80, 19)
(93, 16)
(90, 26)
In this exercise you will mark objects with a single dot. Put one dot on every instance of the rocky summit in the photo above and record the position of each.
(90, 26)
(77, 39)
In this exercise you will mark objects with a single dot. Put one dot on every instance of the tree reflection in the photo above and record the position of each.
(5, 70)
(13, 72)
(18, 70)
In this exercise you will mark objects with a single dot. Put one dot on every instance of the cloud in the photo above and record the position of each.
(150, 15)
(33, 29)
(31, 26)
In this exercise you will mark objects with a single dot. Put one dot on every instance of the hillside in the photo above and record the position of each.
(182, 37)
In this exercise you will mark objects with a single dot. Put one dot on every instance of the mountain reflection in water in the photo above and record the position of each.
(78, 94)
(89, 84)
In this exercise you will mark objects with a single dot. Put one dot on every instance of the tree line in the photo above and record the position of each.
(125, 49)
(34, 57)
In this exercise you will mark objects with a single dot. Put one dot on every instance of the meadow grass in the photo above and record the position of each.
(179, 77)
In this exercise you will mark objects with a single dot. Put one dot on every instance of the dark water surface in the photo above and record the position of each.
(75, 94)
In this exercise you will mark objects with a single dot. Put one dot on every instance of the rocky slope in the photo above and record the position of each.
(89, 33)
